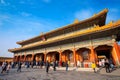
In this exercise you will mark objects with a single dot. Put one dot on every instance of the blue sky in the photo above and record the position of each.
(24, 19)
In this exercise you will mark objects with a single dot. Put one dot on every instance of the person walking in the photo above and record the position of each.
(111, 64)
(19, 66)
(8, 67)
(47, 66)
(41, 64)
(99, 63)
(4, 67)
(66, 65)
(103, 62)
(78, 63)
(27, 64)
(54, 65)
(94, 66)
(107, 66)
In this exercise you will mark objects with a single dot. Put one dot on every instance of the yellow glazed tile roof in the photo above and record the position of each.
(96, 28)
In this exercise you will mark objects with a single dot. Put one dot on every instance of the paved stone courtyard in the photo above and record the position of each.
(40, 74)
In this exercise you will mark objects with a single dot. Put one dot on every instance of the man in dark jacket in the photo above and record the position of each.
(107, 66)
(47, 66)
(66, 65)
(19, 66)
(54, 66)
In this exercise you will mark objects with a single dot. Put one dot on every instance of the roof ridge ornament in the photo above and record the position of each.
(42, 36)
(111, 22)
(96, 26)
(41, 33)
(76, 21)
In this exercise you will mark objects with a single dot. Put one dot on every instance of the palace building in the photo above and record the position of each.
(5, 59)
(86, 41)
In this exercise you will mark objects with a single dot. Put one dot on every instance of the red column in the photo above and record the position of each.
(32, 57)
(74, 54)
(16, 59)
(92, 58)
(60, 61)
(60, 52)
(117, 52)
(45, 57)
(20, 58)
(24, 58)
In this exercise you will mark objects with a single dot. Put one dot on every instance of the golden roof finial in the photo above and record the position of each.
(76, 21)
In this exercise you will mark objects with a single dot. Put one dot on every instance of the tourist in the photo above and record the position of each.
(107, 66)
(8, 67)
(54, 65)
(67, 65)
(36, 64)
(103, 62)
(78, 63)
(27, 64)
(94, 66)
(111, 64)
(57, 63)
(100, 63)
(4, 67)
(12, 64)
(47, 66)
(19, 66)
(3, 64)
(32, 64)
(41, 64)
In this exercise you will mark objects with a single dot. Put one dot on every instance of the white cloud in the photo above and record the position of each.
(14, 28)
(83, 14)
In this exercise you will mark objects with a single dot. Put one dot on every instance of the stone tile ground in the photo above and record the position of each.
(40, 74)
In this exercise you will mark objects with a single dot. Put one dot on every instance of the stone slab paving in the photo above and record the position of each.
(40, 74)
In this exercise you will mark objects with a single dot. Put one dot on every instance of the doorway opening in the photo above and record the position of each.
(102, 54)
(57, 56)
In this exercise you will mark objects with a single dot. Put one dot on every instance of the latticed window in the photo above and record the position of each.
(85, 55)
